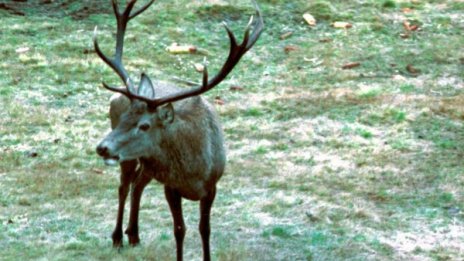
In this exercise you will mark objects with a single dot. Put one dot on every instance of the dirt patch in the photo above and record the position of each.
(56, 8)
(451, 106)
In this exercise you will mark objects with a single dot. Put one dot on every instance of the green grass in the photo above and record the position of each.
(324, 163)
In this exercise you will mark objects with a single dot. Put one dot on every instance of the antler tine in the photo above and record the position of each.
(119, 90)
(235, 54)
(233, 40)
(259, 26)
(122, 19)
(143, 8)
(115, 63)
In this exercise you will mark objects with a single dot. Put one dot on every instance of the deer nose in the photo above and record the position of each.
(102, 150)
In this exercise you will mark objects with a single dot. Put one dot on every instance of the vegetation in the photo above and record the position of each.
(324, 163)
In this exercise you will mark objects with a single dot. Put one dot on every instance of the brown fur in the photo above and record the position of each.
(189, 162)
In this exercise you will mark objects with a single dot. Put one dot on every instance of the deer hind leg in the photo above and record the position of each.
(138, 185)
(175, 205)
(127, 173)
(205, 211)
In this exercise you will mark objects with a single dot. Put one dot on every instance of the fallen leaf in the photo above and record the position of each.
(98, 171)
(310, 19)
(351, 65)
(179, 49)
(285, 35)
(22, 50)
(413, 27)
(218, 100)
(236, 88)
(199, 67)
(325, 40)
(408, 27)
(290, 48)
(406, 10)
(404, 35)
(411, 69)
(342, 25)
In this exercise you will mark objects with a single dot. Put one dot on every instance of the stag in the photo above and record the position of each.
(167, 133)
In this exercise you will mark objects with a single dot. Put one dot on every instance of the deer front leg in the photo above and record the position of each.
(138, 185)
(127, 173)
(175, 205)
(205, 211)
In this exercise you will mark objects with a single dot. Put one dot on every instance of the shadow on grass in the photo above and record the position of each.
(48, 8)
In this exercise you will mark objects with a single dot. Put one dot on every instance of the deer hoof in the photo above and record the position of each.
(134, 240)
(117, 243)
(133, 235)
(117, 239)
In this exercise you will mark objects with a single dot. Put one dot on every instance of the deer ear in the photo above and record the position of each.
(146, 87)
(166, 114)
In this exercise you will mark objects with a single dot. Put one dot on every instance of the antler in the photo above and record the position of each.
(235, 54)
(116, 62)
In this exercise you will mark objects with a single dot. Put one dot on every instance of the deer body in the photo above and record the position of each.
(166, 133)
(186, 141)
(191, 156)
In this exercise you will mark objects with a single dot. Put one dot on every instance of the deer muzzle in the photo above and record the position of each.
(105, 152)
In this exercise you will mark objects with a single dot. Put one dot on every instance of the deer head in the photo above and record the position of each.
(140, 129)
(145, 124)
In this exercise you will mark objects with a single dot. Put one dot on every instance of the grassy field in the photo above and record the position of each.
(324, 163)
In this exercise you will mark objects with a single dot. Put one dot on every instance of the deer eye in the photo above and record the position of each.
(144, 126)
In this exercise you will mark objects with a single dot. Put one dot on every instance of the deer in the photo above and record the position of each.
(170, 134)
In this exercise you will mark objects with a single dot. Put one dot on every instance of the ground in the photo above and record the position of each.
(343, 143)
